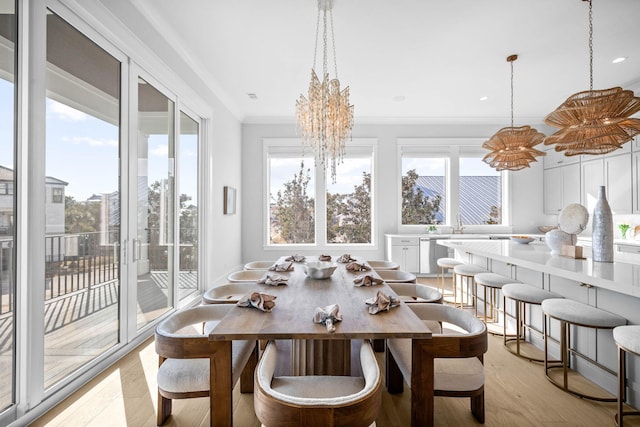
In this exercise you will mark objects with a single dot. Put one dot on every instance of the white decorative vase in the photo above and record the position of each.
(602, 236)
(556, 238)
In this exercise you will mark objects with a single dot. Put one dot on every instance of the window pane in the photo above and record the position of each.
(7, 202)
(349, 202)
(154, 242)
(423, 190)
(82, 205)
(291, 201)
(480, 192)
(188, 157)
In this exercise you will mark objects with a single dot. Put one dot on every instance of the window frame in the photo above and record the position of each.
(455, 148)
(293, 146)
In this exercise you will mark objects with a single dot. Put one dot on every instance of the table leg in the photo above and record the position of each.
(220, 401)
(421, 384)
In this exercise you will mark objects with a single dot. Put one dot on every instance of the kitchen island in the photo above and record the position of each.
(614, 287)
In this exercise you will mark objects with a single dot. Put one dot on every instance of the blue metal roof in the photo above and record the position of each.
(477, 195)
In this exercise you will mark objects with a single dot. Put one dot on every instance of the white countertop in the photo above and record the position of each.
(619, 276)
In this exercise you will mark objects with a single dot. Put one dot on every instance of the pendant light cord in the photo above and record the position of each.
(590, 45)
(511, 62)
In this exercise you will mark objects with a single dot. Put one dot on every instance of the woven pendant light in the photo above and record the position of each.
(511, 148)
(594, 121)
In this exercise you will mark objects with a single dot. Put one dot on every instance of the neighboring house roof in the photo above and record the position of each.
(477, 195)
(52, 180)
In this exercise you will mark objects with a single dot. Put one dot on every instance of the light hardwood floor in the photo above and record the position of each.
(516, 393)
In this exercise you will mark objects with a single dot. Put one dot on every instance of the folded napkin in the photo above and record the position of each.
(381, 302)
(295, 258)
(328, 316)
(357, 266)
(285, 266)
(345, 258)
(367, 280)
(324, 257)
(272, 279)
(264, 302)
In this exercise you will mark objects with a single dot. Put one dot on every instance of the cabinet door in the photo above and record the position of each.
(570, 184)
(592, 179)
(619, 188)
(552, 190)
(636, 182)
(397, 255)
(412, 259)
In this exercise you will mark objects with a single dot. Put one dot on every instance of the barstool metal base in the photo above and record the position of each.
(565, 350)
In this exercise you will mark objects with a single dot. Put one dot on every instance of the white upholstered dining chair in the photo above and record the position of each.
(317, 400)
(186, 355)
(453, 359)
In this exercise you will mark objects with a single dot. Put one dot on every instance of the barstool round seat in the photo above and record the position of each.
(468, 270)
(569, 313)
(493, 280)
(581, 314)
(527, 293)
(627, 339)
(523, 294)
(448, 262)
(445, 265)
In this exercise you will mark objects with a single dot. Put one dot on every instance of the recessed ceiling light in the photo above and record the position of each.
(252, 96)
(399, 98)
(484, 98)
(619, 60)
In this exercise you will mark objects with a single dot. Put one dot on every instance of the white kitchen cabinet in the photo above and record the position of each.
(636, 182)
(557, 158)
(592, 180)
(561, 187)
(405, 251)
(618, 180)
(614, 172)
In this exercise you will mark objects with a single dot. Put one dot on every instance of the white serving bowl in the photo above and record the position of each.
(319, 269)
(522, 239)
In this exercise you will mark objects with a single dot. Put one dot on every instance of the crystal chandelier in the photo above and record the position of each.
(594, 121)
(511, 148)
(325, 116)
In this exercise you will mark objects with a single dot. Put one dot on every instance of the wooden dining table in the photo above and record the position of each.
(292, 318)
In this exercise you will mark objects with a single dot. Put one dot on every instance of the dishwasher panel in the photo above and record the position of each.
(430, 252)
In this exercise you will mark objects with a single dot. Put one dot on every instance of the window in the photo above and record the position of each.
(349, 201)
(296, 216)
(423, 187)
(57, 195)
(446, 182)
(480, 192)
(291, 204)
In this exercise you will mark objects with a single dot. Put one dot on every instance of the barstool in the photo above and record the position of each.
(570, 312)
(444, 265)
(523, 294)
(494, 282)
(466, 272)
(627, 339)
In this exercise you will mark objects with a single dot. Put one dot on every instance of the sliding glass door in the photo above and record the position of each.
(154, 244)
(7, 202)
(82, 205)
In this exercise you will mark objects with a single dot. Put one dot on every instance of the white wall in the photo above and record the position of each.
(222, 164)
(526, 189)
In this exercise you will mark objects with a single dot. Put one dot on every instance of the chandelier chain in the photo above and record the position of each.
(590, 45)
(333, 42)
(324, 42)
(315, 46)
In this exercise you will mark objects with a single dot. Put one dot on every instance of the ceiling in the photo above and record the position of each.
(440, 56)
